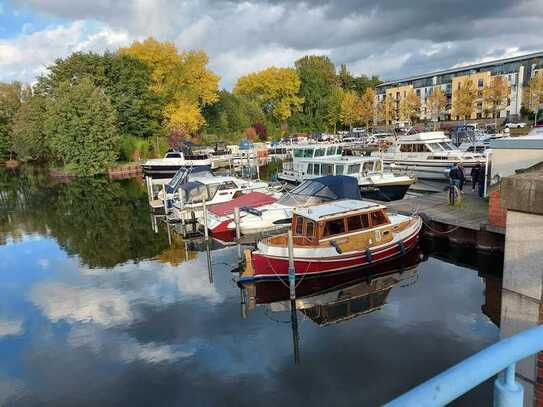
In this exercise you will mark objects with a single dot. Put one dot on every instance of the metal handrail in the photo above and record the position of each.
(459, 379)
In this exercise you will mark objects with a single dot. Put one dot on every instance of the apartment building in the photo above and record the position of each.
(516, 70)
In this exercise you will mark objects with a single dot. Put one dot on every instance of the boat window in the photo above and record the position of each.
(446, 146)
(212, 190)
(308, 153)
(354, 223)
(334, 227)
(339, 169)
(316, 169)
(339, 150)
(299, 225)
(310, 169)
(227, 185)
(365, 221)
(320, 152)
(378, 166)
(298, 153)
(330, 150)
(327, 169)
(368, 166)
(309, 228)
(378, 218)
(354, 169)
(406, 148)
(173, 155)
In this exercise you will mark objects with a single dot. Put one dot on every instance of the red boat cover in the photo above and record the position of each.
(251, 200)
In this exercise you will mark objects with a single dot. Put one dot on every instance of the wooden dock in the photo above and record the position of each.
(466, 225)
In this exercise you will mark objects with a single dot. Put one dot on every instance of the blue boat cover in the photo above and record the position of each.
(330, 187)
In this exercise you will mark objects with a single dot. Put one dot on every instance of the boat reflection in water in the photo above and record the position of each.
(335, 298)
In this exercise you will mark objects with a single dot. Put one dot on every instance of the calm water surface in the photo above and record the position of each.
(97, 309)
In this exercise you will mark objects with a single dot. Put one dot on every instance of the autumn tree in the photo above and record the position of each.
(350, 109)
(534, 94)
(183, 80)
(80, 127)
(436, 104)
(250, 133)
(464, 99)
(333, 112)
(386, 111)
(367, 107)
(275, 89)
(261, 131)
(495, 95)
(409, 106)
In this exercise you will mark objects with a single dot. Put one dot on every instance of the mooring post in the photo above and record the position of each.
(165, 200)
(149, 185)
(257, 169)
(208, 257)
(295, 334)
(206, 232)
(291, 270)
(507, 391)
(238, 232)
(169, 233)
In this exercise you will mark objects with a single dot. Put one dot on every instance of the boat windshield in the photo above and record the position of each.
(446, 146)
(305, 191)
(196, 192)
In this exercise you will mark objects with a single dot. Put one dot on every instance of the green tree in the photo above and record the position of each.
(359, 84)
(333, 113)
(125, 79)
(12, 95)
(318, 78)
(80, 127)
(28, 137)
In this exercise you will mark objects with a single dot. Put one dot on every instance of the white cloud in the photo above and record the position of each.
(11, 327)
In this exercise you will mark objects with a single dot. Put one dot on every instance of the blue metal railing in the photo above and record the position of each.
(469, 373)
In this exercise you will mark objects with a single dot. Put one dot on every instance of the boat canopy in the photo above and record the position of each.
(196, 191)
(329, 188)
(250, 200)
(182, 175)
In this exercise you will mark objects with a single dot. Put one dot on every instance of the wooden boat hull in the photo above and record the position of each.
(272, 267)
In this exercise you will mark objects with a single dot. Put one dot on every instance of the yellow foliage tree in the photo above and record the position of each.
(276, 90)
(534, 96)
(183, 116)
(409, 106)
(367, 107)
(495, 95)
(437, 104)
(350, 109)
(386, 111)
(464, 99)
(181, 79)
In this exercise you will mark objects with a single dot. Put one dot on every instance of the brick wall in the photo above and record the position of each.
(496, 214)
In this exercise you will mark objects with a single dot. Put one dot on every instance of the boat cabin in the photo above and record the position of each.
(317, 151)
(352, 166)
(332, 222)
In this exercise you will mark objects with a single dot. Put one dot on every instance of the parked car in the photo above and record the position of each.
(519, 125)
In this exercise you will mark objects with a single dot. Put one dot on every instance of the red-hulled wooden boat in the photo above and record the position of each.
(336, 237)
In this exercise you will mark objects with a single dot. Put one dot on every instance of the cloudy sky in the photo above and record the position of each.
(390, 38)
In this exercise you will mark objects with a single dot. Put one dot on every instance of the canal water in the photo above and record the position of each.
(97, 309)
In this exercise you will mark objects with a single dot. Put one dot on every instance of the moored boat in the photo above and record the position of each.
(336, 237)
(173, 161)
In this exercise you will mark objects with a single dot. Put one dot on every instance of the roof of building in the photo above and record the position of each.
(463, 68)
(331, 209)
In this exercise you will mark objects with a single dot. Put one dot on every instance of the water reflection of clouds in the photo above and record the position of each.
(11, 327)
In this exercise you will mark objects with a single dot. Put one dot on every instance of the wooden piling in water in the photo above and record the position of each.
(291, 269)
(238, 231)
(204, 210)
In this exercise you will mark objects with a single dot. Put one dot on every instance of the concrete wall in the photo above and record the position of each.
(523, 288)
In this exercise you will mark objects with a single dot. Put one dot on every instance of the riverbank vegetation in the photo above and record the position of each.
(89, 110)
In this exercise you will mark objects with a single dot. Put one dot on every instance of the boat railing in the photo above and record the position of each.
(459, 379)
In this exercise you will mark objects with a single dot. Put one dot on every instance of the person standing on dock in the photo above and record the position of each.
(456, 176)
(475, 174)
(462, 175)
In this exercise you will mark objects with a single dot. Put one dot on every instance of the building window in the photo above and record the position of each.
(418, 92)
(480, 83)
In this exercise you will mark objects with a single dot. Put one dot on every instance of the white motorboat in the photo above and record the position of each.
(311, 192)
(164, 168)
(429, 155)
(373, 181)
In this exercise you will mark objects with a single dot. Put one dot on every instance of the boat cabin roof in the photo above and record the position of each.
(331, 209)
(426, 137)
